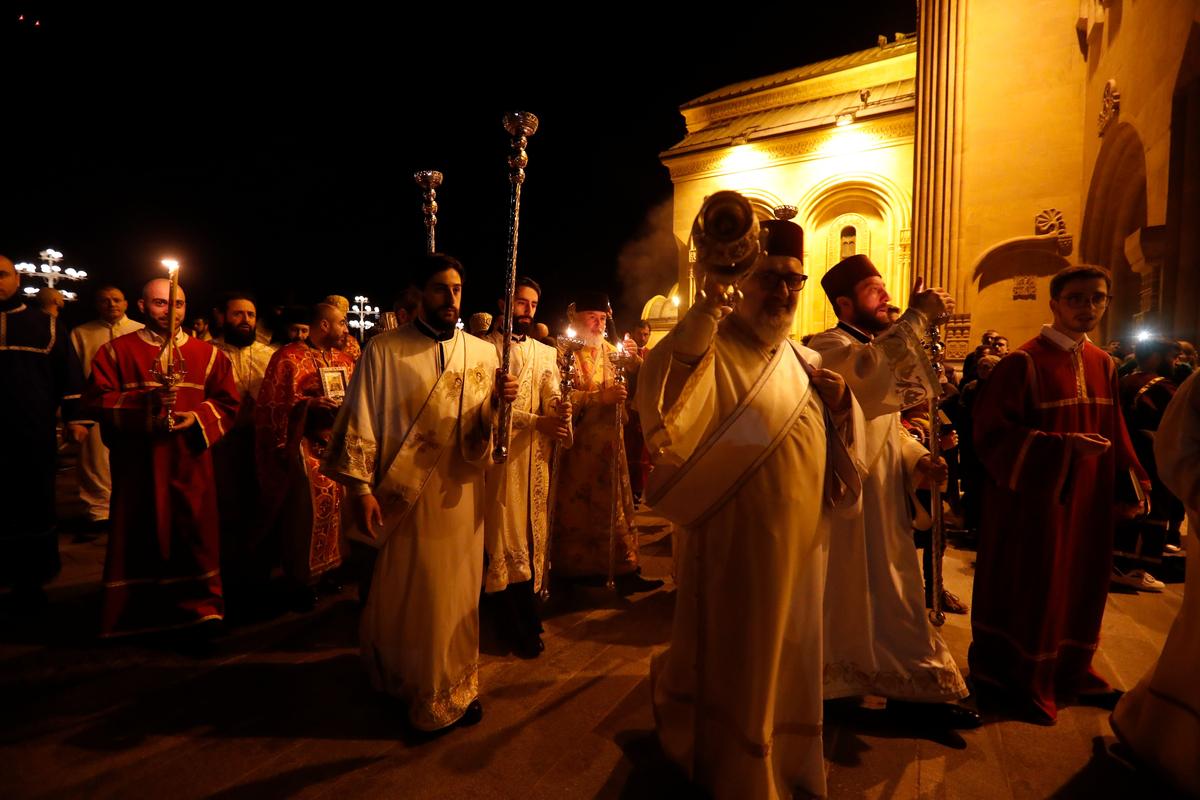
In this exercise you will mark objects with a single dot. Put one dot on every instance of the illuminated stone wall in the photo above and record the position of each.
(1064, 153)
(1045, 133)
(853, 179)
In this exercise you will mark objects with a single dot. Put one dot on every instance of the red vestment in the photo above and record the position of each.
(162, 568)
(291, 440)
(1046, 539)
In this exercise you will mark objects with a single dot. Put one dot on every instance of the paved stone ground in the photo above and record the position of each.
(280, 708)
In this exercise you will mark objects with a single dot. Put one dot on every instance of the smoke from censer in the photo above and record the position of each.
(647, 265)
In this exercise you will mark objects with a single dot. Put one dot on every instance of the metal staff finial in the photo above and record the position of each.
(520, 126)
(429, 180)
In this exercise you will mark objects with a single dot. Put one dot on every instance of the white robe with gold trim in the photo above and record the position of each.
(420, 627)
(518, 491)
(878, 639)
(737, 697)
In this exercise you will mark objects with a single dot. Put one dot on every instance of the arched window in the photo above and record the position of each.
(849, 241)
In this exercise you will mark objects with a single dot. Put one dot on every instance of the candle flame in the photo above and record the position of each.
(571, 333)
(171, 264)
(620, 347)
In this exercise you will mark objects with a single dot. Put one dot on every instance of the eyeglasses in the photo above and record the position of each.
(770, 281)
(1080, 300)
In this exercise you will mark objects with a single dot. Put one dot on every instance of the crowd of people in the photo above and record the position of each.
(795, 477)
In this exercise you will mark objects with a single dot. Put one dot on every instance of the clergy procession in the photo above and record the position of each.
(242, 460)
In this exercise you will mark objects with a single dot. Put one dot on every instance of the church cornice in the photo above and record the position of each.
(895, 129)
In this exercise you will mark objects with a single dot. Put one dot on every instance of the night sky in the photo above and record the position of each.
(276, 152)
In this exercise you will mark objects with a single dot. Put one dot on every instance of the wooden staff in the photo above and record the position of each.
(520, 126)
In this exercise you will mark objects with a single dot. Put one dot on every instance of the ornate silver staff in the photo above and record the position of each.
(937, 532)
(429, 180)
(520, 126)
(619, 359)
(569, 344)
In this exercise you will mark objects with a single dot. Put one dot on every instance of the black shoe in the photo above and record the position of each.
(997, 702)
(942, 715)
(529, 647)
(634, 583)
(472, 716)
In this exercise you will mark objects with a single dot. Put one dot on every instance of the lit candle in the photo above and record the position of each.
(570, 333)
(172, 266)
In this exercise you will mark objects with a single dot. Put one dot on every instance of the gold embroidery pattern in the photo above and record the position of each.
(902, 348)
(927, 683)
(399, 500)
(451, 384)
(422, 442)
(359, 456)
(431, 712)
(1080, 377)
(539, 502)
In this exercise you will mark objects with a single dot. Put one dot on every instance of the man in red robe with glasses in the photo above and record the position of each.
(1049, 431)
(162, 570)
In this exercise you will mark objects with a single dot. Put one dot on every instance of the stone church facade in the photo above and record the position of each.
(997, 145)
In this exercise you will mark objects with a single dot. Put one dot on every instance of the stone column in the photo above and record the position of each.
(937, 173)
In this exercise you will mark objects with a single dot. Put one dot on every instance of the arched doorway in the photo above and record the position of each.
(1116, 209)
(846, 215)
(1181, 271)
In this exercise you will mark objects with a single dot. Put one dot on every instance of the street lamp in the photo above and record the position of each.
(50, 272)
(363, 310)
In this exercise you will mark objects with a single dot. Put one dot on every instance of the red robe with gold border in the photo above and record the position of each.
(1046, 539)
(162, 568)
(290, 443)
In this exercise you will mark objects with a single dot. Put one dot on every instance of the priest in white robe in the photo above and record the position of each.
(518, 491)
(411, 443)
(1159, 719)
(878, 638)
(95, 480)
(742, 429)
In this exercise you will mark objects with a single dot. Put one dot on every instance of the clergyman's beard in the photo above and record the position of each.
(433, 318)
(592, 339)
(521, 325)
(771, 327)
(867, 322)
(237, 336)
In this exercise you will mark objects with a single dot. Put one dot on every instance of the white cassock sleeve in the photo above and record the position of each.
(889, 373)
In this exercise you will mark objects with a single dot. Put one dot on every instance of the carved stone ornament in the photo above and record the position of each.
(1024, 287)
(958, 337)
(1110, 106)
(1050, 221)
